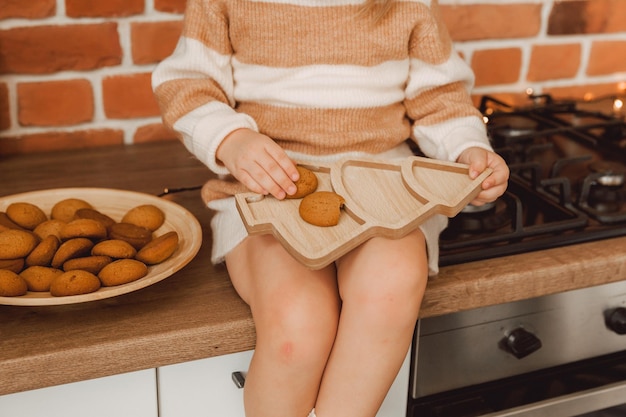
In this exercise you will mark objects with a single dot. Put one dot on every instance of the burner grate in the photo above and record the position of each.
(560, 192)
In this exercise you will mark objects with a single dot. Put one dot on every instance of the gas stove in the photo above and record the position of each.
(567, 183)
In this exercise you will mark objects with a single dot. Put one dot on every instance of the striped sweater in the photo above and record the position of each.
(318, 77)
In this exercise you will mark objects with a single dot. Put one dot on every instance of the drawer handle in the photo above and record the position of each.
(239, 379)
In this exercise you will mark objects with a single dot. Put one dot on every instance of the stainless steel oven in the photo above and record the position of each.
(558, 355)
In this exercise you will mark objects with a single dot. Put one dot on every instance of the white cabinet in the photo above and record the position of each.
(126, 395)
(202, 388)
(396, 401)
(205, 388)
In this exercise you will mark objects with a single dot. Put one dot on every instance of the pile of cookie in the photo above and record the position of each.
(319, 208)
(76, 249)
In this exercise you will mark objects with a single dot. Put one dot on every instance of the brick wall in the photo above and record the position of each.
(76, 73)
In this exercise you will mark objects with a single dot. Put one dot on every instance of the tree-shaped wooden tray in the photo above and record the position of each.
(381, 199)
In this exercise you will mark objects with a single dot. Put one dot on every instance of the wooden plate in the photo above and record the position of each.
(115, 203)
(387, 199)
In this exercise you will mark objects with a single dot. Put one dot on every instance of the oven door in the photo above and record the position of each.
(606, 401)
(559, 355)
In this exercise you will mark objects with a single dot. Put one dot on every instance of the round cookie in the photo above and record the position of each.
(148, 216)
(44, 252)
(6, 223)
(49, 227)
(88, 213)
(15, 265)
(306, 184)
(114, 248)
(122, 271)
(73, 248)
(75, 282)
(321, 208)
(38, 278)
(11, 284)
(26, 215)
(159, 249)
(65, 210)
(137, 236)
(88, 228)
(16, 243)
(93, 264)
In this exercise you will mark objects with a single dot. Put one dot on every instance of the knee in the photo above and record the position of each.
(299, 327)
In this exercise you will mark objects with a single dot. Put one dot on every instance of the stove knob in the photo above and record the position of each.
(521, 343)
(616, 320)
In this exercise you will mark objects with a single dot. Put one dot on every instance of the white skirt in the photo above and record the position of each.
(229, 231)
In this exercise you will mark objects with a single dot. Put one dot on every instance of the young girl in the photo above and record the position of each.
(254, 85)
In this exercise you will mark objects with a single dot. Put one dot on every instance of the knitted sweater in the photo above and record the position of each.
(319, 78)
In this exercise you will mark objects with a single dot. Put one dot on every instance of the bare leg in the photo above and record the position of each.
(381, 284)
(295, 311)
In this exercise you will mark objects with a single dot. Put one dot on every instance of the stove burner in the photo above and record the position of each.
(613, 173)
(510, 128)
(470, 208)
(513, 126)
(480, 219)
(603, 194)
(604, 202)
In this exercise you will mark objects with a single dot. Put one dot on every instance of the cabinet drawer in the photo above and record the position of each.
(205, 388)
(125, 395)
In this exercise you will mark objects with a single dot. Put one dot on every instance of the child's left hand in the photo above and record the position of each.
(495, 184)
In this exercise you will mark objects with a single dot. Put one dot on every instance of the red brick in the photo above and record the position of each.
(171, 6)
(128, 96)
(153, 133)
(607, 57)
(492, 21)
(551, 62)
(154, 41)
(567, 18)
(606, 16)
(587, 16)
(497, 66)
(47, 49)
(55, 103)
(57, 140)
(5, 115)
(99, 8)
(27, 9)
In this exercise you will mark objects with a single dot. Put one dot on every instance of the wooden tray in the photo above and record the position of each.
(382, 199)
(115, 203)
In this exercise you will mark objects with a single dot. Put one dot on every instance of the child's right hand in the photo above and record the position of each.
(258, 163)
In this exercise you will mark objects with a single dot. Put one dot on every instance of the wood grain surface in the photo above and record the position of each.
(196, 313)
(389, 199)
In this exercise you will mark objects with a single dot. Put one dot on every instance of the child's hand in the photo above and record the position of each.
(495, 184)
(259, 163)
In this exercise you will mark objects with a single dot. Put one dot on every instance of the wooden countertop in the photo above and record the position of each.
(196, 313)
